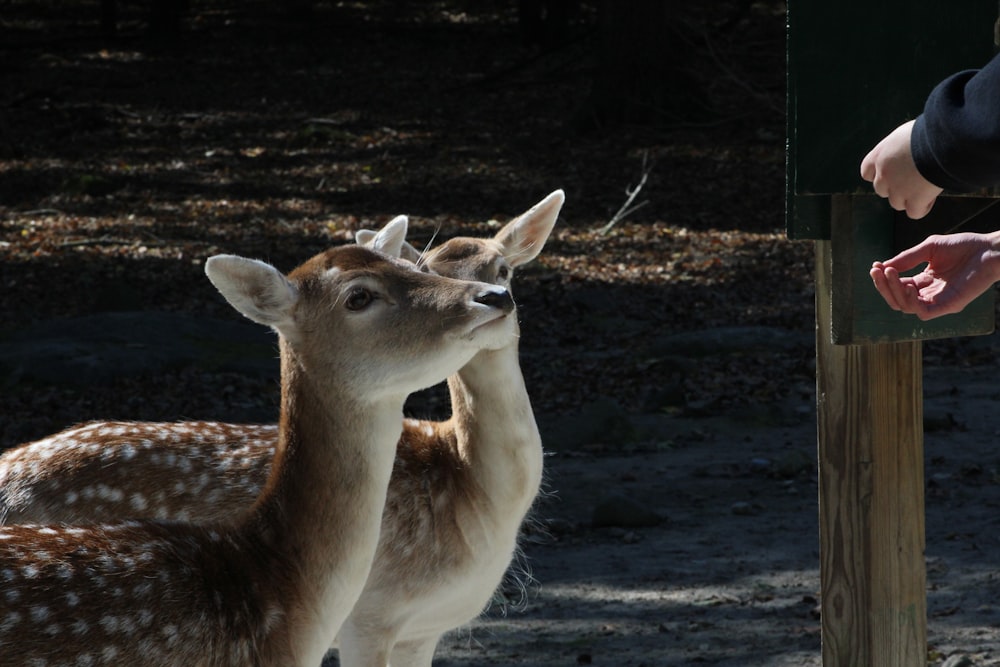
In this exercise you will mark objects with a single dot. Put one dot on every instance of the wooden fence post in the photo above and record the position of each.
(871, 499)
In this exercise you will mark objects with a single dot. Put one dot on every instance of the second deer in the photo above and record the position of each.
(458, 494)
(358, 331)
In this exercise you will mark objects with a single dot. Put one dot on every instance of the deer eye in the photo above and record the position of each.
(358, 298)
(503, 273)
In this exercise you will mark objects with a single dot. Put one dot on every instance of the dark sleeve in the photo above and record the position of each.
(956, 141)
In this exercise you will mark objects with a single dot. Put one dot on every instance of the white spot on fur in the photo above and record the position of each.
(110, 623)
(138, 502)
(9, 621)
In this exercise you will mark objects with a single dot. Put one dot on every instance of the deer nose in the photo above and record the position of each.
(497, 297)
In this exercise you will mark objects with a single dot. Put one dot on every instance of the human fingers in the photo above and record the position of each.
(927, 209)
(917, 206)
(902, 296)
(882, 286)
(905, 296)
(909, 258)
(868, 169)
(881, 187)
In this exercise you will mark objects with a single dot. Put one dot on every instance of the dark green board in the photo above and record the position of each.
(856, 70)
(865, 230)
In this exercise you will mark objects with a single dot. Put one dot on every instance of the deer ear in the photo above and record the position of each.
(390, 239)
(366, 237)
(524, 237)
(409, 253)
(258, 290)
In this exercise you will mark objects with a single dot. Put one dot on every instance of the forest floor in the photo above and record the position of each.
(122, 168)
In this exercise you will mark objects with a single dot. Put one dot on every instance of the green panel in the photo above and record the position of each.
(808, 217)
(856, 70)
(863, 232)
(951, 214)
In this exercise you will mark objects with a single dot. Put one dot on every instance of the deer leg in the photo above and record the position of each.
(414, 653)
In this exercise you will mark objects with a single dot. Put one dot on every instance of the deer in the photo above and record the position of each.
(458, 494)
(358, 330)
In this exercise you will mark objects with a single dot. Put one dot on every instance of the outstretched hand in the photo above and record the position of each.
(893, 174)
(959, 268)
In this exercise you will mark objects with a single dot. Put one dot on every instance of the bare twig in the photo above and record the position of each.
(38, 211)
(104, 240)
(628, 208)
(741, 81)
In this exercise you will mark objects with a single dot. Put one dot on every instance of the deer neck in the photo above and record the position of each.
(321, 509)
(495, 428)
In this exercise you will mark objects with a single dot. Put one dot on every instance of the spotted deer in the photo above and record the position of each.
(357, 332)
(458, 494)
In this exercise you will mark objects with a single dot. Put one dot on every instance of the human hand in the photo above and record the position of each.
(891, 170)
(959, 268)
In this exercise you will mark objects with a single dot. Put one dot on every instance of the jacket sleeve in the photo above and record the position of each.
(956, 141)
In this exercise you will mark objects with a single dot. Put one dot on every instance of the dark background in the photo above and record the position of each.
(130, 152)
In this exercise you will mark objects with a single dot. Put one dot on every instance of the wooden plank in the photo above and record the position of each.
(870, 441)
(864, 229)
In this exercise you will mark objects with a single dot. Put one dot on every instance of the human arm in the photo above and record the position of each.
(959, 268)
(954, 144)
(956, 140)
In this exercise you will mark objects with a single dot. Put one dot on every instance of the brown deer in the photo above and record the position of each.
(457, 496)
(357, 331)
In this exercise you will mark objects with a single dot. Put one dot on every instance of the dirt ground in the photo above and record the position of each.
(731, 575)
(122, 167)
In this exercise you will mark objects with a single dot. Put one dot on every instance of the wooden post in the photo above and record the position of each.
(871, 494)
(857, 69)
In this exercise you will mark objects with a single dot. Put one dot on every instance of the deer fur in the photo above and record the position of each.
(358, 331)
(458, 494)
